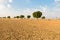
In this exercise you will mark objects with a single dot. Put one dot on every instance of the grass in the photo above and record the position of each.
(29, 29)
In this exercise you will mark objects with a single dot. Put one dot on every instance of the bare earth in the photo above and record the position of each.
(29, 29)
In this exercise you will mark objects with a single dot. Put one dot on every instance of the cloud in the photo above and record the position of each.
(8, 5)
(53, 12)
(6, 8)
(2, 7)
(1, 1)
(57, 0)
(10, 1)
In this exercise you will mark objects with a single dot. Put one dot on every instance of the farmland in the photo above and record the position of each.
(29, 29)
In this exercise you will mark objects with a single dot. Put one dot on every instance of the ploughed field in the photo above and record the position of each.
(29, 29)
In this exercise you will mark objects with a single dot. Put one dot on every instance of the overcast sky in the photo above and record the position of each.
(49, 8)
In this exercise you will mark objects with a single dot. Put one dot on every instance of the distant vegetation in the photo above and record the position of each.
(36, 14)
(8, 17)
(28, 16)
(22, 16)
(16, 16)
(43, 17)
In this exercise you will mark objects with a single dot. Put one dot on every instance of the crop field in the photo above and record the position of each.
(29, 29)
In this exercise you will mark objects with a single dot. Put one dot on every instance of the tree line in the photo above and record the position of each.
(36, 14)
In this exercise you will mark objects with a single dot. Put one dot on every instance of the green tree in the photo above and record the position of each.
(17, 17)
(8, 17)
(21, 16)
(28, 16)
(43, 17)
(37, 14)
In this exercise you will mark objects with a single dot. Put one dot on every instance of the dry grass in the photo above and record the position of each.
(29, 29)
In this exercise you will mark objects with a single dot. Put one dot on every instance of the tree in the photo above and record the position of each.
(28, 16)
(8, 17)
(17, 17)
(43, 17)
(21, 16)
(37, 14)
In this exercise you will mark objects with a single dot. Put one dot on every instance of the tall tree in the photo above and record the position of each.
(37, 14)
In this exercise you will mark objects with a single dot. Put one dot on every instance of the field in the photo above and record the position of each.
(29, 29)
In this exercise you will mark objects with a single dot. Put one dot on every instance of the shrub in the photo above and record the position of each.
(43, 17)
(8, 17)
(37, 14)
(21, 16)
(28, 16)
(17, 17)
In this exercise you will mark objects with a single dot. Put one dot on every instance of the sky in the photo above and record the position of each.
(49, 8)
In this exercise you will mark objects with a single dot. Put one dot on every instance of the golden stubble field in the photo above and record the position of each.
(29, 29)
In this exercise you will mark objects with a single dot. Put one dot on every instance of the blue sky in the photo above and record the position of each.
(32, 3)
(49, 8)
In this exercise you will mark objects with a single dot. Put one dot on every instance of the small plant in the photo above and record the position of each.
(17, 17)
(8, 17)
(28, 16)
(21, 16)
(43, 17)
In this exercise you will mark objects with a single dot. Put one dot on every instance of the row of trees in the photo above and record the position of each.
(22, 16)
(36, 14)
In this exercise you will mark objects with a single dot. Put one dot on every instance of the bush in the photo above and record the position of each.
(8, 17)
(37, 14)
(43, 17)
(17, 17)
(28, 16)
(21, 16)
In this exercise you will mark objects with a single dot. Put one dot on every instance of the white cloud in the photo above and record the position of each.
(8, 5)
(1, 1)
(2, 7)
(57, 0)
(10, 1)
(5, 8)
